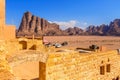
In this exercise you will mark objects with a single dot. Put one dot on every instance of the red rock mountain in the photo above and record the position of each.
(97, 30)
(113, 29)
(31, 24)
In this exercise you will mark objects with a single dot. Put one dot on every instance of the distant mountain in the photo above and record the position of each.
(74, 31)
(97, 30)
(113, 29)
(31, 24)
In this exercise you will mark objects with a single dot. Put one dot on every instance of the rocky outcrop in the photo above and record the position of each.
(31, 24)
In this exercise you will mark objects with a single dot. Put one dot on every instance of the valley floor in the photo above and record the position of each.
(110, 42)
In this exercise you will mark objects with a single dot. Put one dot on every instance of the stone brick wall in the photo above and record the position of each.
(11, 55)
(13, 46)
(2, 17)
(31, 44)
(72, 65)
(7, 32)
(2, 12)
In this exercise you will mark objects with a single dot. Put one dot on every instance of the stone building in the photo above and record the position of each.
(74, 65)
(7, 32)
(10, 44)
(53, 64)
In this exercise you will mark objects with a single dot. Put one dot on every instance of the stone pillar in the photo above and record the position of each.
(2, 12)
(2, 18)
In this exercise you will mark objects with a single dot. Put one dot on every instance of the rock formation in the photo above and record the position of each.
(97, 30)
(31, 24)
(113, 29)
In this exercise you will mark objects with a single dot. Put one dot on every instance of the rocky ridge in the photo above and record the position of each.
(31, 24)
(113, 29)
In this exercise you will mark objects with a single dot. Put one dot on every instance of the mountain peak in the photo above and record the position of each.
(31, 24)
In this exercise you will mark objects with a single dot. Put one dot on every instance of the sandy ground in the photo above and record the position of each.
(86, 41)
(30, 70)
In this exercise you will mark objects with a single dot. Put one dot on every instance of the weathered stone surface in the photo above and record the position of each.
(24, 56)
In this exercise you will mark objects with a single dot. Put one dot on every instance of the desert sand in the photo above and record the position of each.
(30, 70)
(110, 42)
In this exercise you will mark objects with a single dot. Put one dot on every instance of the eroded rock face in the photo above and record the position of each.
(31, 24)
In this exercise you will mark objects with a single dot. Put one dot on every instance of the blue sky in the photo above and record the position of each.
(71, 13)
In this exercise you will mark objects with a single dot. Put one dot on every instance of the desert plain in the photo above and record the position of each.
(110, 42)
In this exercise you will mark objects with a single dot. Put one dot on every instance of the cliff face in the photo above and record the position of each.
(31, 24)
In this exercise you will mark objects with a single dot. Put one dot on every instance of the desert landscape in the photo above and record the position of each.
(69, 32)
(32, 68)
(110, 42)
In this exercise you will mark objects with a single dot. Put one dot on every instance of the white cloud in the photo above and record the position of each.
(82, 25)
(71, 23)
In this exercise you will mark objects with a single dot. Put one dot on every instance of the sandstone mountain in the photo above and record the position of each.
(31, 24)
(113, 29)
(97, 30)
